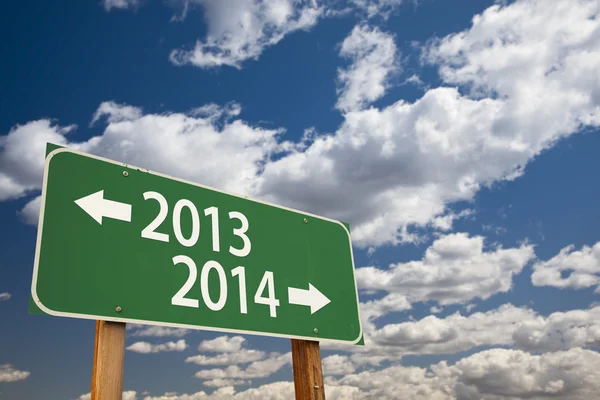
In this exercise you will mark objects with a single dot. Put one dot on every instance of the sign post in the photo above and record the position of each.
(308, 374)
(109, 356)
(123, 244)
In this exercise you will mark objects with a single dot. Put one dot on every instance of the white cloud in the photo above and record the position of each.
(433, 335)
(538, 61)
(455, 269)
(414, 80)
(160, 331)
(120, 4)
(224, 382)
(381, 8)
(559, 331)
(173, 396)
(30, 214)
(507, 325)
(5, 296)
(435, 309)
(374, 61)
(214, 111)
(270, 391)
(241, 356)
(337, 365)
(444, 222)
(389, 170)
(128, 395)
(515, 374)
(240, 30)
(222, 344)
(491, 374)
(582, 268)
(374, 309)
(549, 46)
(22, 156)
(9, 374)
(147, 348)
(257, 369)
(189, 147)
(117, 112)
(397, 382)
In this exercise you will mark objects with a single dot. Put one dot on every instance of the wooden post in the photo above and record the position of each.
(109, 357)
(308, 374)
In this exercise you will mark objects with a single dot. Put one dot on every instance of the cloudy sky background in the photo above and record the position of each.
(458, 138)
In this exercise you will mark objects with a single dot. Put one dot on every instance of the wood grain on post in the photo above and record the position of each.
(308, 374)
(109, 357)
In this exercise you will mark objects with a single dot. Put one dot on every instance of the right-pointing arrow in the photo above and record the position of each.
(97, 207)
(311, 297)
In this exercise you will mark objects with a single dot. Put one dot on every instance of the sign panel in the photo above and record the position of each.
(120, 243)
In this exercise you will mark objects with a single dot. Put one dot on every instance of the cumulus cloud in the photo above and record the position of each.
(337, 365)
(230, 353)
(117, 112)
(258, 369)
(524, 329)
(271, 391)
(397, 382)
(373, 309)
(382, 8)
(222, 344)
(444, 222)
(183, 145)
(560, 330)
(433, 335)
(128, 395)
(240, 30)
(233, 358)
(22, 156)
(491, 374)
(147, 348)
(120, 4)
(529, 74)
(214, 111)
(5, 296)
(436, 310)
(510, 326)
(160, 331)
(523, 76)
(224, 382)
(10, 374)
(582, 268)
(513, 373)
(455, 269)
(374, 61)
(30, 214)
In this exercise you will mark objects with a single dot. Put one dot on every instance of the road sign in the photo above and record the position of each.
(121, 243)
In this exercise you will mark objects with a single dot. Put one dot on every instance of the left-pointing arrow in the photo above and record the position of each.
(98, 207)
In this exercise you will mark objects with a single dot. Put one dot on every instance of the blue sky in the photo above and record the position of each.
(458, 138)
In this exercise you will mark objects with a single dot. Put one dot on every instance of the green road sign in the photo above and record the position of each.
(120, 243)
